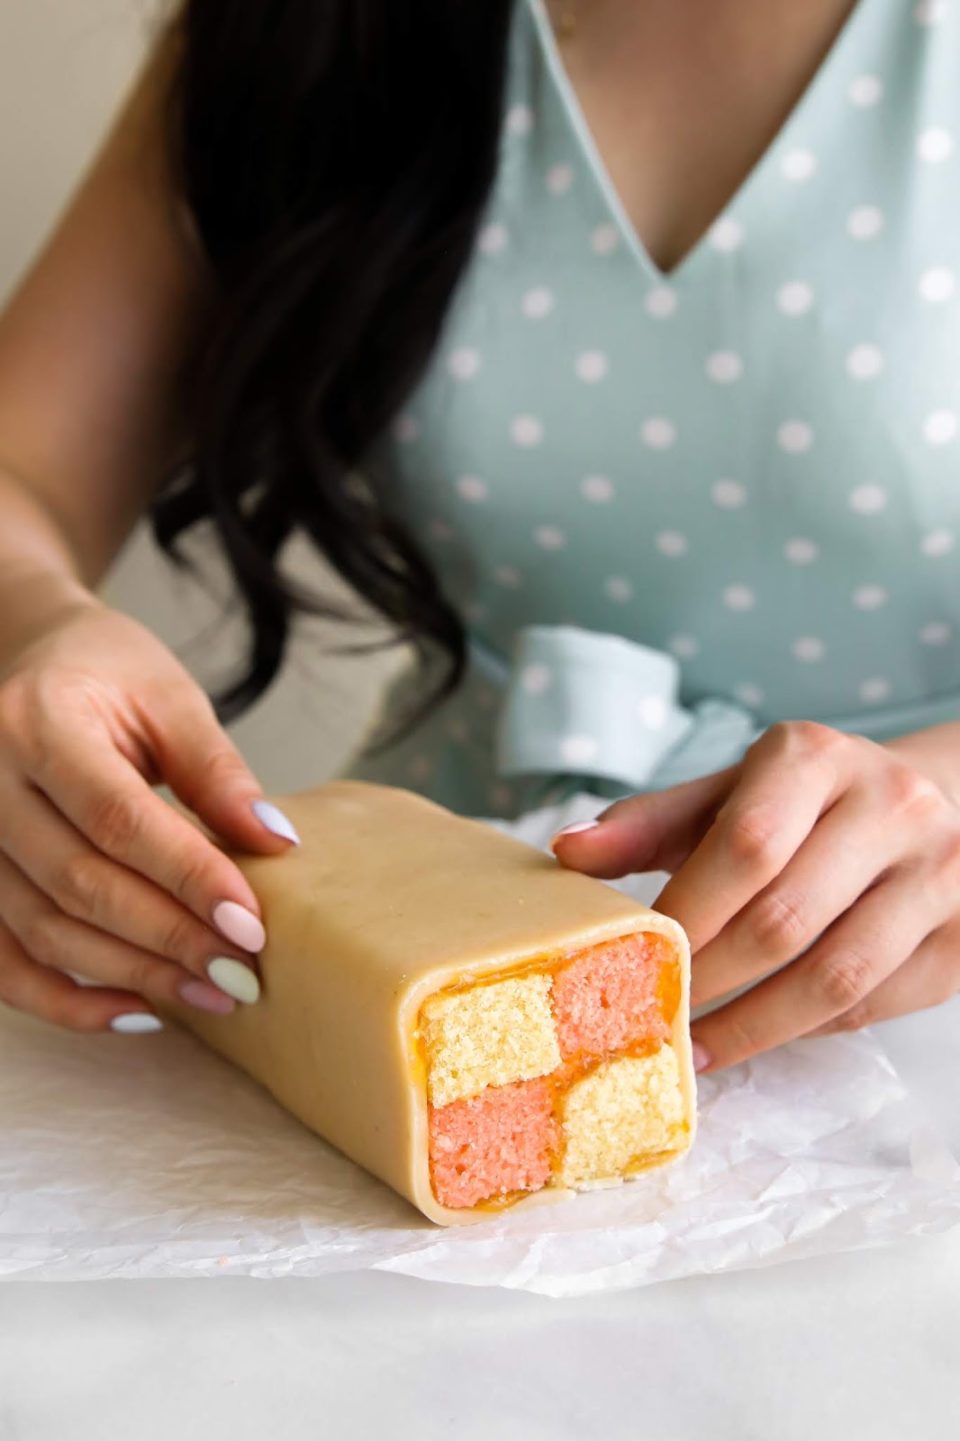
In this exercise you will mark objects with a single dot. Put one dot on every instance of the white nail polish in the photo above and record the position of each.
(576, 826)
(136, 1023)
(235, 979)
(275, 821)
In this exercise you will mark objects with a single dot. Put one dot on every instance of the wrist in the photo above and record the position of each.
(935, 753)
(34, 602)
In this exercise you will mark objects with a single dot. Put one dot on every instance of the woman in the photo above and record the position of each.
(624, 332)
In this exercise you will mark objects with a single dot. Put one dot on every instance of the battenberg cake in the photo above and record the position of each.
(476, 1025)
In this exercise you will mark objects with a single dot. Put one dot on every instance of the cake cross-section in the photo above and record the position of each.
(476, 1025)
(561, 1075)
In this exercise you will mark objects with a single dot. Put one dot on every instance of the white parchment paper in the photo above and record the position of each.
(126, 1156)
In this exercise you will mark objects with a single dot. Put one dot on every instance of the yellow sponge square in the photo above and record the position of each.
(625, 1109)
(490, 1035)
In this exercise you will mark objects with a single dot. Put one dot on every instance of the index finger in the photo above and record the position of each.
(108, 800)
(856, 954)
(785, 785)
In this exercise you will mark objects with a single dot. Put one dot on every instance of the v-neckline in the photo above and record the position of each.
(693, 257)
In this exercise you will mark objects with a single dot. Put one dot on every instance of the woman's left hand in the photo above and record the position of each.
(823, 871)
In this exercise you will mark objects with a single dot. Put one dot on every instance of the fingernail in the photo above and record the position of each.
(207, 998)
(701, 1056)
(275, 821)
(238, 980)
(572, 829)
(136, 1023)
(239, 925)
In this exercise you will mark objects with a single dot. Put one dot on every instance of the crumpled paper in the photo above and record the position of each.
(150, 1157)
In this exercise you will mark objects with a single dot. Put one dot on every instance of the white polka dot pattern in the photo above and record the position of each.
(739, 597)
(868, 499)
(801, 551)
(591, 365)
(729, 494)
(874, 690)
(559, 179)
(865, 362)
(727, 234)
(937, 542)
(463, 363)
(519, 120)
(685, 647)
(870, 597)
(748, 461)
(536, 678)
(661, 302)
(472, 488)
(618, 588)
(798, 165)
(538, 302)
(935, 145)
(671, 542)
(795, 437)
(938, 284)
(658, 433)
(549, 537)
(605, 239)
(940, 427)
(795, 297)
(526, 430)
(865, 222)
(507, 575)
(866, 91)
(493, 238)
(809, 648)
(597, 488)
(724, 366)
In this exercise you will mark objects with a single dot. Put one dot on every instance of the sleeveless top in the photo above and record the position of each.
(675, 508)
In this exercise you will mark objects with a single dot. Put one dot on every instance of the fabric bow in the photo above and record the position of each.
(580, 702)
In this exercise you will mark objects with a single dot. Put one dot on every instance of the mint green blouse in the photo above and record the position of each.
(674, 508)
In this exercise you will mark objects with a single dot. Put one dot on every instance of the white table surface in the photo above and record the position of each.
(862, 1347)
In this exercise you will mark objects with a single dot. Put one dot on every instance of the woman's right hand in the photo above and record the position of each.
(99, 876)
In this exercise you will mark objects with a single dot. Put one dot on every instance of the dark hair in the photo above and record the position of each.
(336, 157)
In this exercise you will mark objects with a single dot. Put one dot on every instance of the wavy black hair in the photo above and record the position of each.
(336, 157)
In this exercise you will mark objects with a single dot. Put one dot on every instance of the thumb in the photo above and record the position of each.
(655, 831)
(204, 769)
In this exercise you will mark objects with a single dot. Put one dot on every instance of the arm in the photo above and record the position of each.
(97, 873)
(94, 344)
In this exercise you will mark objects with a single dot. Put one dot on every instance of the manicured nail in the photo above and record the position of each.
(572, 829)
(238, 980)
(701, 1057)
(207, 998)
(136, 1023)
(239, 925)
(275, 821)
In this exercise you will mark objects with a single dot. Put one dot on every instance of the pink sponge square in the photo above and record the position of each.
(494, 1143)
(611, 997)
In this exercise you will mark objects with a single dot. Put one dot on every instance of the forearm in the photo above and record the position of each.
(41, 576)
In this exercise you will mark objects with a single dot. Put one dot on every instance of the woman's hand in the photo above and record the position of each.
(98, 875)
(822, 871)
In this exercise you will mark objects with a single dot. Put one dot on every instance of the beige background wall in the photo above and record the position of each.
(63, 67)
